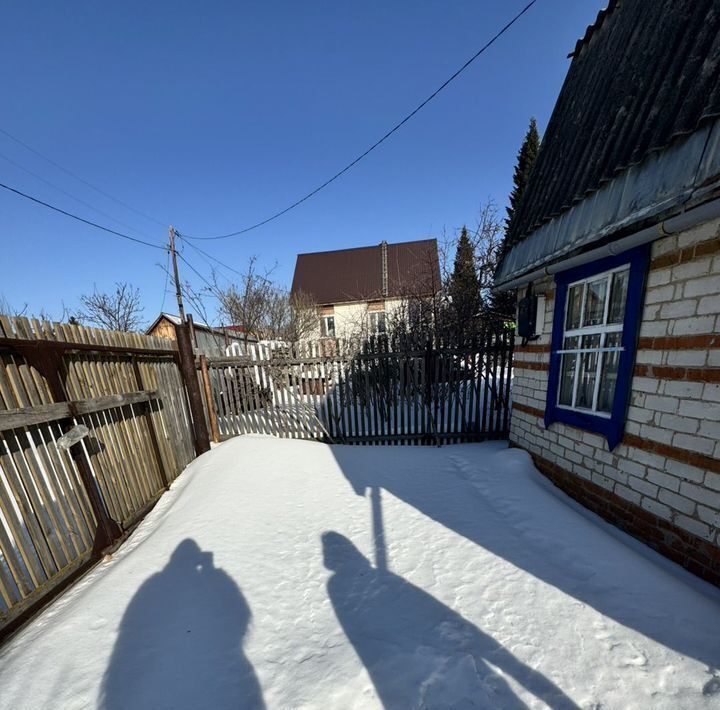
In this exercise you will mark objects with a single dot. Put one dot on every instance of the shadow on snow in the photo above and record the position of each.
(180, 641)
(558, 555)
(417, 651)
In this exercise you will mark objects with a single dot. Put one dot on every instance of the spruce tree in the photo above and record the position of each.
(525, 161)
(504, 303)
(464, 287)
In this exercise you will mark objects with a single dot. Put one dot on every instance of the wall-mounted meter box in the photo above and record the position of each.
(531, 317)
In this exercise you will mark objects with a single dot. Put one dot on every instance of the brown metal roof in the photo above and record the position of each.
(644, 74)
(356, 274)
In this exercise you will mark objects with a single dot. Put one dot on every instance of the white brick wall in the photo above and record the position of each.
(682, 300)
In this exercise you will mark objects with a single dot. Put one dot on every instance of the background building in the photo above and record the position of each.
(358, 290)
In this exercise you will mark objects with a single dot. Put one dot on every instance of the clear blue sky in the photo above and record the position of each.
(212, 115)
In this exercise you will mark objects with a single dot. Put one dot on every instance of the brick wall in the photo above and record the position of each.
(665, 475)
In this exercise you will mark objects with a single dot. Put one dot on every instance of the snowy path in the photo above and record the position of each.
(290, 574)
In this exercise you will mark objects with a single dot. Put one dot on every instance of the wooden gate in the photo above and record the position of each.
(366, 393)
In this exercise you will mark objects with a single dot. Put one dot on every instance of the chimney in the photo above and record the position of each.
(383, 256)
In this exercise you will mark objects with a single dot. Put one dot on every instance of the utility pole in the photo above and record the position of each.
(186, 361)
(178, 290)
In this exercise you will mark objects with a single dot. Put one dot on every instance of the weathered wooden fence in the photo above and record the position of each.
(370, 393)
(60, 508)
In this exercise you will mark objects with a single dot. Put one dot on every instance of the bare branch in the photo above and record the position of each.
(120, 310)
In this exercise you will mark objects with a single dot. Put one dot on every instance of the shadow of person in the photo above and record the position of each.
(180, 641)
(417, 651)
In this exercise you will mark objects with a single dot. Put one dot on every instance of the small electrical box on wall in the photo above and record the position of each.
(531, 317)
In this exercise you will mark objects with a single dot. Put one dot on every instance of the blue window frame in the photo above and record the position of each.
(598, 307)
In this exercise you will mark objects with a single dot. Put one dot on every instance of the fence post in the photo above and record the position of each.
(189, 375)
(212, 414)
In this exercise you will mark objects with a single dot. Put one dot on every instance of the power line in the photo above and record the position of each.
(197, 273)
(395, 128)
(208, 256)
(167, 274)
(80, 219)
(71, 196)
(82, 180)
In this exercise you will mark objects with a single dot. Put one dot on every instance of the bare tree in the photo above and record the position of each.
(304, 319)
(246, 304)
(8, 309)
(487, 242)
(120, 310)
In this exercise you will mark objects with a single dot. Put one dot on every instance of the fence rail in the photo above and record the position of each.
(373, 393)
(59, 508)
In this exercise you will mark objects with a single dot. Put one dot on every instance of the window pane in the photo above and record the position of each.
(595, 302)
(381, 323)
(567, 376)
(591, 341)
(618, 294)
(608, 373)
(586, 380)
(571, 343)
(613, 340)
(573, 308)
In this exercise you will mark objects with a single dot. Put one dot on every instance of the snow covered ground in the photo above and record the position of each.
(290, 574)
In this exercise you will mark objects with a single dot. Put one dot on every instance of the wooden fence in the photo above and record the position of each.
(370, 393)
(60, 508)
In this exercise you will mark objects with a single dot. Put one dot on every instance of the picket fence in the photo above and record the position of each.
(374, 392)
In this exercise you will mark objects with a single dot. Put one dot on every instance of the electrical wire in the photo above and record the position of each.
(167, 275)
(196, 272)
(71, 196)
(208, 256)
(80, 219)
(395, 128)
(82, 180)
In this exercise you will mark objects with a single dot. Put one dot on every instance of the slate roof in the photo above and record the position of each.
(644, 74)
(348, 275)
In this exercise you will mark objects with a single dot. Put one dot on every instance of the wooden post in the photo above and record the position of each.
(189, 375)
(212, 414)
(178, 289)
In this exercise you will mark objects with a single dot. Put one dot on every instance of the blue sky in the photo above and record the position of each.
(213, 115)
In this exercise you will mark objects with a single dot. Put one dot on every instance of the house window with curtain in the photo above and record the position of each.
(597, 315)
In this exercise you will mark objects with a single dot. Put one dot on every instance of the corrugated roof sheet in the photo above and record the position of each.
(356, 274)
(644, 74)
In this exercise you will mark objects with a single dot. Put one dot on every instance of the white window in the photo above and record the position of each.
(327, 326)
(377, 322)
(592, 342)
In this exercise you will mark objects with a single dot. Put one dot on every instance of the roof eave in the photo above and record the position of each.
(664, 184)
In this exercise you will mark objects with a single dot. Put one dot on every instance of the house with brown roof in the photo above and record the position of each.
(358, 290)
(617, 384)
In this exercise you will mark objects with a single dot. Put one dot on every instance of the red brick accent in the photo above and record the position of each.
(528, 365)
(529, 410)
(530, 348)
(683, 256)
(681, 342)
(695, 554)
(673, 452)
(689, 374)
